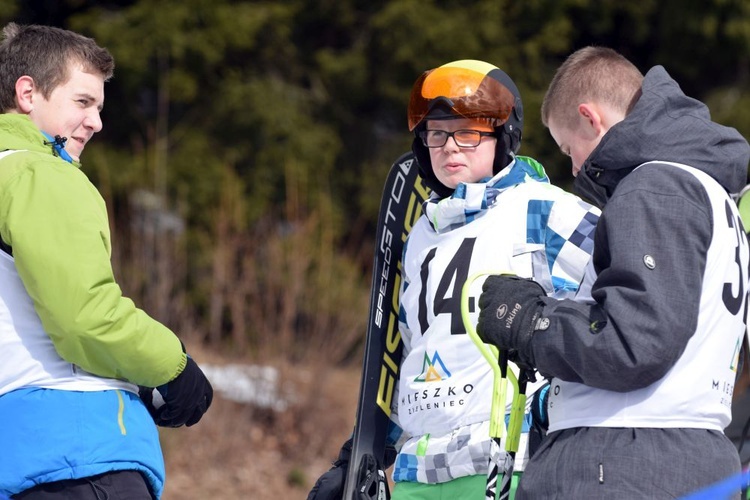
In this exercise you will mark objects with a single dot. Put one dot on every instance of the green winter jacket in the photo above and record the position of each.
(55, 222)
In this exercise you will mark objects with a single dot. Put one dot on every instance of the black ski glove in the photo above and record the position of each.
(510, 313)
(330, 486)
(186, 398)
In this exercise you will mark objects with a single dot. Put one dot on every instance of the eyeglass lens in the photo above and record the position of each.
(463, 138)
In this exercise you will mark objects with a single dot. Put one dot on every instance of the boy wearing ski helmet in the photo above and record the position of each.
(490, 210)
(645, 359)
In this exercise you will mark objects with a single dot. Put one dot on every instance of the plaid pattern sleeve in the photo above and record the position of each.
(565, 226)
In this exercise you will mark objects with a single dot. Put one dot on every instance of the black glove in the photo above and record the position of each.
(330, 486)
(511, 311)
(186, 398)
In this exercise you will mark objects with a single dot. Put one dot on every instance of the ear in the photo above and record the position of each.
(25, 89)
(592, 119)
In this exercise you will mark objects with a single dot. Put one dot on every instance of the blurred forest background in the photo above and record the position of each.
(243, 154)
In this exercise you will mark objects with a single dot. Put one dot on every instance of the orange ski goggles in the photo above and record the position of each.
(466, 87)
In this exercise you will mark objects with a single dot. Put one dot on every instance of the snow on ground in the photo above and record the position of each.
(252, 384)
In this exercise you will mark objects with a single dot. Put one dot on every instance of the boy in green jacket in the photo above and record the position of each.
(73, 350)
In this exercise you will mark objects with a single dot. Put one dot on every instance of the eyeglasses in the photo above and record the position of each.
(463, 138)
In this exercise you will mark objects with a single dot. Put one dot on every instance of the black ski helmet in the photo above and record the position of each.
(466, 89)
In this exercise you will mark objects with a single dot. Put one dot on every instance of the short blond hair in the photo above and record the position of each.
(597, 74)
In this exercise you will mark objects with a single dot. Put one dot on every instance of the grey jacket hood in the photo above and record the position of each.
(665, 125)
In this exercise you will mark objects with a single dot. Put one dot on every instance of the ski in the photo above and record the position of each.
(400, 207)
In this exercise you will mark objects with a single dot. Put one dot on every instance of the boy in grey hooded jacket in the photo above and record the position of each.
(644, 359)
